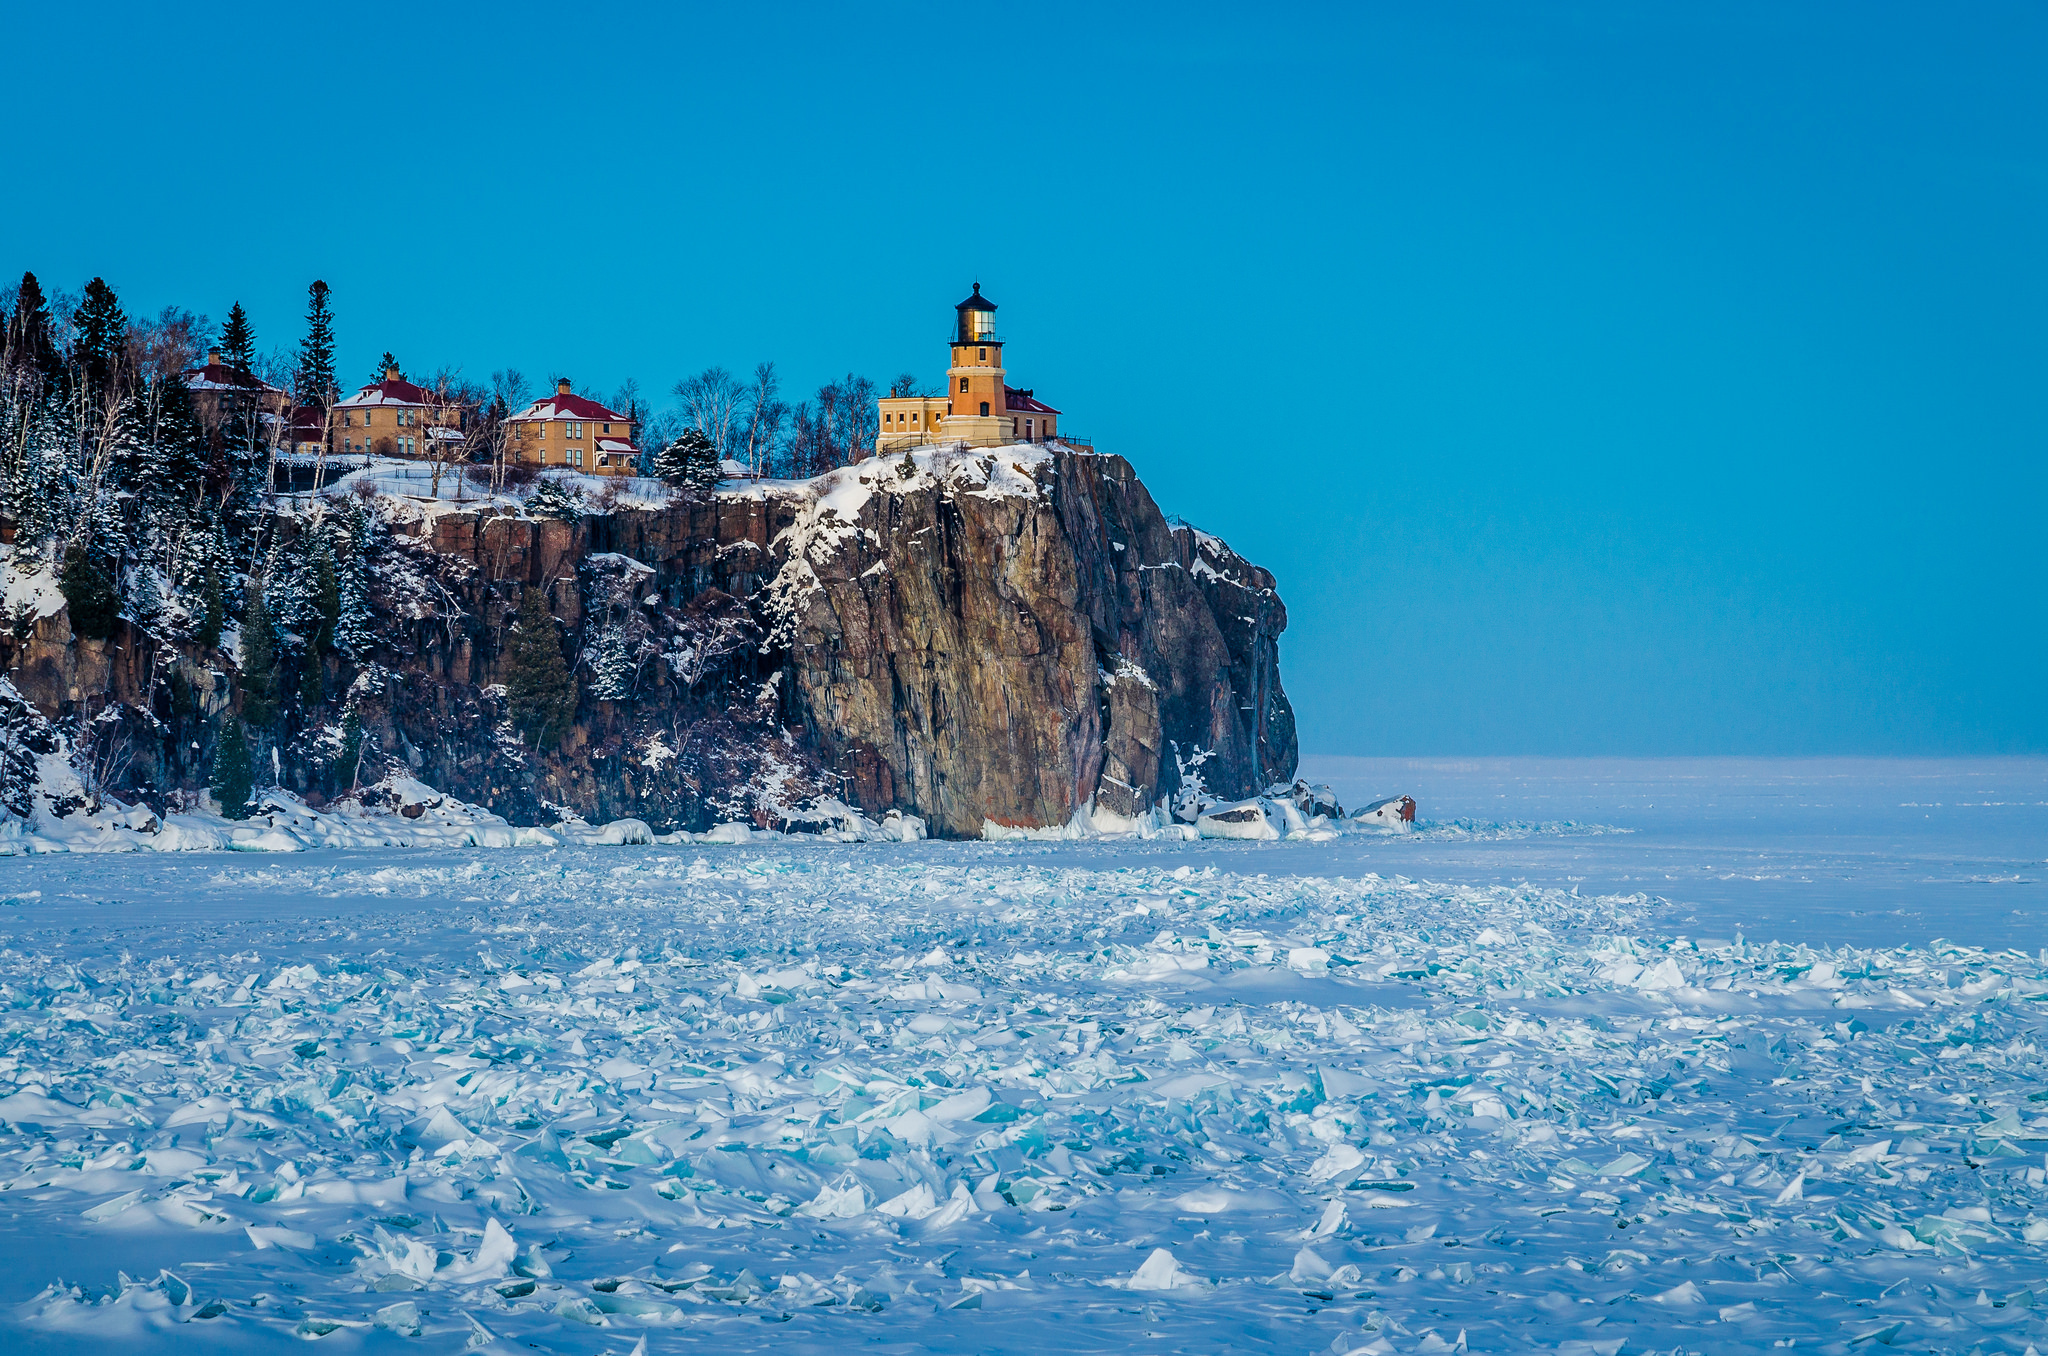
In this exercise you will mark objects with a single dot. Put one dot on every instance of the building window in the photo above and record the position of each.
(984, 355)
(963, 383)
(607, 428)
(984, 409)
(1027, 428)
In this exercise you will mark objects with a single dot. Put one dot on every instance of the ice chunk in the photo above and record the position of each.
(841, 1200)
(916, 1203)
(1338, 1162)
(277, 1236)
(493, 1259)
(1161, 1271)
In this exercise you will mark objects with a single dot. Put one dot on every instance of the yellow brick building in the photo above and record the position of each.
(392, 418)
(570, 432)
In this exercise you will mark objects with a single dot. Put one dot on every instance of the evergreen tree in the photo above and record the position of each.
(145, 601)
(690, 463)
(42, 491)
(539, 688)
(384, 364)
(353, 633)
(204, 571)
(89, 594)
(234, 770)
(31, 340)
(612, 669)
(314, 382)
(551, 499)
(325, 594)
(101, 346)
(312, 682)
(238, 340)
(213, 610)
(175, 445)
(259, 663)
(349, 764)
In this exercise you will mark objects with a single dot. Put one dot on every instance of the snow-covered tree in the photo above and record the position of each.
(354, 633)
(690, 463)
(612, 665)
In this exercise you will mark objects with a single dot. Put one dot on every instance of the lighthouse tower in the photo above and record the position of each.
(977, 412)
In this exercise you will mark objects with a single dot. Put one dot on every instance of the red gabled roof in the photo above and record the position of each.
(570, 407)
(1024, 402)
(221, 377)
(308, 421)
(399, 392)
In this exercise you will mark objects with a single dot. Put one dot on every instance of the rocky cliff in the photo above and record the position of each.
(1006, 634)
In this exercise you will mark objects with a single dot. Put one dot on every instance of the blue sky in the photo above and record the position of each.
(1596, 378)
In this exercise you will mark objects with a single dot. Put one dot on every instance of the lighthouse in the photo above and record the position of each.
(978, 407)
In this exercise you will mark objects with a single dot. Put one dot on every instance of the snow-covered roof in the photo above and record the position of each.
(1025, 402)
(564, 406)
(615, 445)
(221, 377)
(393, 391)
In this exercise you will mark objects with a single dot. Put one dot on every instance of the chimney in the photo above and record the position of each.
(562, 387)
(391, 374)
(213, 357)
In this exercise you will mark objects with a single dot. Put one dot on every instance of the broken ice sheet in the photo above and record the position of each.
(984, 1098)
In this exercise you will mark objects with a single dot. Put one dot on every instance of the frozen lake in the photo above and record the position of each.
(1510, 1083)
(1888, 851)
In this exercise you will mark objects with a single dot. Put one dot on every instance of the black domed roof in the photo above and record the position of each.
(977, 302)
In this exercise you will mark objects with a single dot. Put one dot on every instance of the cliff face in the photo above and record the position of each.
(1002, 634)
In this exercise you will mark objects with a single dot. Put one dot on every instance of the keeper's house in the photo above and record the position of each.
(391, 418)
(567, 431)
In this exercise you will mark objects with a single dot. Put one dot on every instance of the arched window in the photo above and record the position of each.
(984, 408)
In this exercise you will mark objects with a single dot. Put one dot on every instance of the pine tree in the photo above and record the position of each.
(612, 669)
(234, 770)
(551, 499)
(89, 594)
(204, 570)
(213, 610)
(102, 344)
(42, 492)
(690, 463)
(353, 633)
(31, 342)
(539, 688)
(312, 682)
(145, 601)
(238, 340)
(314, 382)
(325, 594)
(384, 365)
(259, 663)
(350, 761)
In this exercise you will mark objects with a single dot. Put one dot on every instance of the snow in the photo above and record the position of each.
(1382, 1092)
(28, 586)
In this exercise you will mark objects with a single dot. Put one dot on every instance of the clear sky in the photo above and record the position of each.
(1596, 377)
